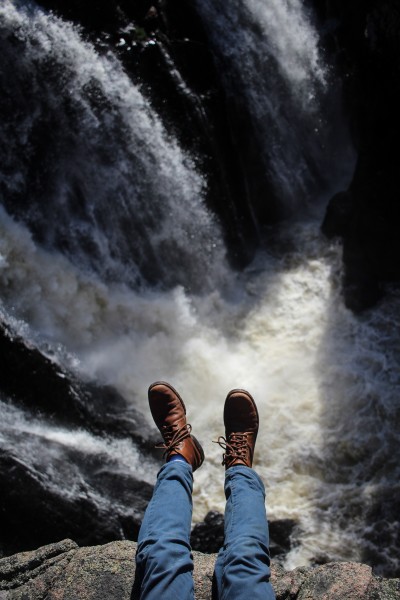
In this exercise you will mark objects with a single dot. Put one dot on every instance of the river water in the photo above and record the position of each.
(324, 380)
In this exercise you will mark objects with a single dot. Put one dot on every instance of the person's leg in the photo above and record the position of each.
(164, 562)
(242, 569)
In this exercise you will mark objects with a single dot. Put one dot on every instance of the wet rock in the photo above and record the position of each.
(361, 294)
(367, 47)
(382, 530)
(280, 536)
(51, 489)
(99, 16)
(338, 216)
(38, 383)
(106, 507)
(208, 536)
(361, 286)
(65, 571)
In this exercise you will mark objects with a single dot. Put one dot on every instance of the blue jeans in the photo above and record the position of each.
(164, 562)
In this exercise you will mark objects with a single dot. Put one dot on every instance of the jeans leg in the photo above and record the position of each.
(164, 563)
(242, 568)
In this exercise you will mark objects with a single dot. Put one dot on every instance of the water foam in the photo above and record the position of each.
(42, 444)
(273, 74)
(283, 30)
(324, 380)
(129, 202)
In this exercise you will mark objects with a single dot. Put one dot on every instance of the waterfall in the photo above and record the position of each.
(268, 57)
(89, 166)
(111, 261)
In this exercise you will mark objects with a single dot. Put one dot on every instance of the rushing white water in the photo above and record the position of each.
(283, 30)
(127, 200)
(43, 445)
(325, 381)
(268, 57)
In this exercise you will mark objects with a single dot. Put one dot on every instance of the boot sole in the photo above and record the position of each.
(199, 448)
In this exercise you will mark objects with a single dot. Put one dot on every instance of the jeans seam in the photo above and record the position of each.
(231, 525)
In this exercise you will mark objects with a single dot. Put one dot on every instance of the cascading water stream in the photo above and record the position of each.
(323, 379)
(268, 57)
(90, 151)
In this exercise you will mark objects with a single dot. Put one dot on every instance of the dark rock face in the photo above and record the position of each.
(280, 536)
(65, 571)
(367, 41)
(208, 536)
(338, 217)
(39, 384)
(32, 510)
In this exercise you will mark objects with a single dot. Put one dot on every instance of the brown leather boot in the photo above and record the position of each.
(169, 414)
(241, 428)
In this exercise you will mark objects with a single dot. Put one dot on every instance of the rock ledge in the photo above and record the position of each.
(63, 571)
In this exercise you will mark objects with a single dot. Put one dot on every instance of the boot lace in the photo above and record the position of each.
(235, 447)
(173, 437)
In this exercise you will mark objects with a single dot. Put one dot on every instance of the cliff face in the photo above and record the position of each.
(361, 38)
(63, 571)
(365, 37)
(32, 511)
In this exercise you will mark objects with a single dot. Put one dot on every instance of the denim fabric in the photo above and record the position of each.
(242, 568)
(164, 562)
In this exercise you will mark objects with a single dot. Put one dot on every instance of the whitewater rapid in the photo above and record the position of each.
(117, 194)
(324, 380)
(269, 58)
